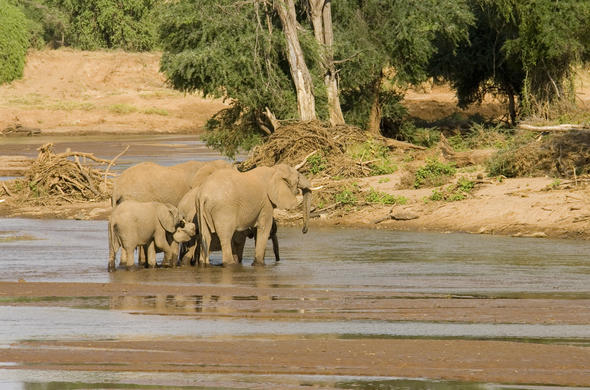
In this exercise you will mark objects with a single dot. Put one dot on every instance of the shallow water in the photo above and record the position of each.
(162, 149)
(334, 258)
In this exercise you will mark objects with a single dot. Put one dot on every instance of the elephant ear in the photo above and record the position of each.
(168, 217)
(283, 187)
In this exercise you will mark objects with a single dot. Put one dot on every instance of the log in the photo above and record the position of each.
(553, 128)
(393, 143)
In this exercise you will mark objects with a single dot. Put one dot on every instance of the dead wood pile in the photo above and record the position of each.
(565, 155)
(310, 143)
(57, 178)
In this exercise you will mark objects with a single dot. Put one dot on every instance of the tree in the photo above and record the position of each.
(299, 71)
(321, 19)
(14, 42)
(125, 24)
(384, 46)
(523, 50)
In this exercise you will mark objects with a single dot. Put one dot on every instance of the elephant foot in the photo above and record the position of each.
(258, 263)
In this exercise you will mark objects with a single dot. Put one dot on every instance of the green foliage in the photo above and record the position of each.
(482, 136)
(387, 45)
(455, 192)
(232, 129)
(47, 23)
(125, 24)
(14, 41)
(348, 196)
(377, 154)
(316, 163)
(378, 197)
(418, 135)
(519, 49)
(235, 50)
(433, 174)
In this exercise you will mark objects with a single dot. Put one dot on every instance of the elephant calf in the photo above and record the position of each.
(152, 225)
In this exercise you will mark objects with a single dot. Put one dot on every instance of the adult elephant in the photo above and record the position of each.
(187, 207)
(229, 201)
(150, 182)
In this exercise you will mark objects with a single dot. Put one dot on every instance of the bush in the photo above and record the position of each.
(453, 193)
(433, 174)
(14, 42)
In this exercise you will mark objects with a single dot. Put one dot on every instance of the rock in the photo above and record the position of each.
(403, 215)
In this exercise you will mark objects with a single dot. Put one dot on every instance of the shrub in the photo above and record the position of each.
(378, 197)
(14, 42)
(455, 192)
(433, 174)
(376, 153)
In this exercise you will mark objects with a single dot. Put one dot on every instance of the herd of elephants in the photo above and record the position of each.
(193, 208)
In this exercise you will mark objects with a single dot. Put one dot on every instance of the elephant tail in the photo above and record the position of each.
(114, 241)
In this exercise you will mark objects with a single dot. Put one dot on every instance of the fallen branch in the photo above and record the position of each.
(112, 162)
(553, 128)
(392, 143)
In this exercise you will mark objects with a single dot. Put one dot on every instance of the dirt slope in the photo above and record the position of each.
(77, 92)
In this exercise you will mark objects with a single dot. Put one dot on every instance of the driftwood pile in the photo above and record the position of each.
(301, 143)
(561, 155)
(57, 178)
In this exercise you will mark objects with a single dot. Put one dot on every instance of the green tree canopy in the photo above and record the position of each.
(97, 24)
(386, 45)
(524, 50)
(235, 50)
(14, 42)
(238, 50)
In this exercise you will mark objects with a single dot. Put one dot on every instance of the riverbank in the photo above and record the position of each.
(109, 94)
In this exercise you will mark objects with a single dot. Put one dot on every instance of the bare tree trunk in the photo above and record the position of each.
(299, 71)
(374, 125)
(321, 17)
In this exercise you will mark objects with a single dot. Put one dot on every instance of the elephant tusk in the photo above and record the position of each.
(316, 188)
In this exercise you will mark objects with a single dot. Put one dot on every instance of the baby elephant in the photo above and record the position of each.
(152, 225)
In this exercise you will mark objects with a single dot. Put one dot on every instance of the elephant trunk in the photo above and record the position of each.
(305, 185)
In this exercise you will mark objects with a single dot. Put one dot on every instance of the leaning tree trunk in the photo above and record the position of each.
(299, 71)
(321, 18)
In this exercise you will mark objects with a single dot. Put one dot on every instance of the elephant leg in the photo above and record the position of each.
(189, 256)
(275, 246)
(261, 237)
(227, 254)
(141, 255)
(127, 257)
(151, 255)
(204, 245)
(238, 243)
(169, 255)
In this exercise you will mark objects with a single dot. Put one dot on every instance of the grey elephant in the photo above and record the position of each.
(187, 207)
(150, 182)
(229, 201)
(151, 225)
